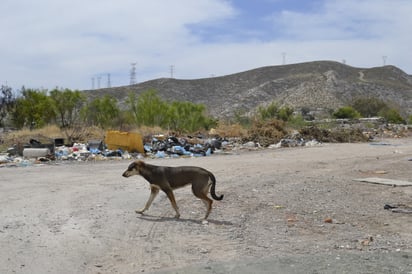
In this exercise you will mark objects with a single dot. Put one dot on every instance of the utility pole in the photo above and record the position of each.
(133, 74)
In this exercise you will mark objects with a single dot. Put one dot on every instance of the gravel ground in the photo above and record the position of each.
(289, 210)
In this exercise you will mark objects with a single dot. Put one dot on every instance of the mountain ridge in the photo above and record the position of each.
(316, 85)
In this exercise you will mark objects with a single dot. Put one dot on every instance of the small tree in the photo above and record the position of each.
(369, 106)
(34, 109)
(269, 112)
(189, 117)
(7, 102)
(272, 111)
(147, 109)
(67, 105)
(101, 111)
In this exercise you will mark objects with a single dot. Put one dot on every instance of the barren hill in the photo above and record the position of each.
(312, 85)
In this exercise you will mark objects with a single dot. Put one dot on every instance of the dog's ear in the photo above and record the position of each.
(132, 165)
(139, 164)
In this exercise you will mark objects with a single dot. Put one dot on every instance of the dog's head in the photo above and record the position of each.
(134, 168)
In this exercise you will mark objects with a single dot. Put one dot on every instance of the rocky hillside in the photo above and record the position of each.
(314, 85)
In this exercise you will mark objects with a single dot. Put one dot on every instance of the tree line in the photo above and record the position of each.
(71, 108)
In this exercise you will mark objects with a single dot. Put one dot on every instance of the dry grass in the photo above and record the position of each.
(148, 131)
(48, 133)
(229, 130)
(24, 135)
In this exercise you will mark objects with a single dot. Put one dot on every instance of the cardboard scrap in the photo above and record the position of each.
(384, 181)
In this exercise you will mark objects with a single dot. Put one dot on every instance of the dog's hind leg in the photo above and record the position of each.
(201, 193)
(208, 202)
(154, 190)
(171, 197)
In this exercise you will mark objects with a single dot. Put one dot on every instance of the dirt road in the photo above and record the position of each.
(292, 210)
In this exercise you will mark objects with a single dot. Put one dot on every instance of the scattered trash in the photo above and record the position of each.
(380, 144)
(366, 242)
(127, 145)
(398, 208)
(384, 181)
(328, 220)
(35, 152)
(296, 142)
(373, 171)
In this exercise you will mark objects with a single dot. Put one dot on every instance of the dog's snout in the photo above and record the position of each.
(125, 174)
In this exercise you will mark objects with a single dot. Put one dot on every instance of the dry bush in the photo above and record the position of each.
(82, 134)
(336, 135)
(229, 130)
(267, 132)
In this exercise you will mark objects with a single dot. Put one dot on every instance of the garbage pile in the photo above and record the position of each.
(157, 147)
(161, 147)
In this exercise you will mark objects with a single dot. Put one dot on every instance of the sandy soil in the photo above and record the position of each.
(290, 210)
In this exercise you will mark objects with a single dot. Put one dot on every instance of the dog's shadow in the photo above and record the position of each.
(162, 219)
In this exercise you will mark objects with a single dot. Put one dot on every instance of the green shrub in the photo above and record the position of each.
(346, 113)
(392, 116)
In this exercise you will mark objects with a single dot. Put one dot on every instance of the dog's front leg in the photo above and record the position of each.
(171, 197)
(154, 190)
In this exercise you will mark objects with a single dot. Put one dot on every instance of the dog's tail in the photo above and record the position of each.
(213, 188)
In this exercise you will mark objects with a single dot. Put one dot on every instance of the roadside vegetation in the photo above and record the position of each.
(69, 114)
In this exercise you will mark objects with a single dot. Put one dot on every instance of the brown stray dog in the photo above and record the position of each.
(170, 178)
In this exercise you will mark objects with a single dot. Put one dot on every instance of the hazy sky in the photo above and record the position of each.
(66, 44)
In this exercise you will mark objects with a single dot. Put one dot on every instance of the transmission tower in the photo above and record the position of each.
(384, 60)
(172, 70)
(108, 81)
(98, 81)
(133, 74)
(283, 58)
